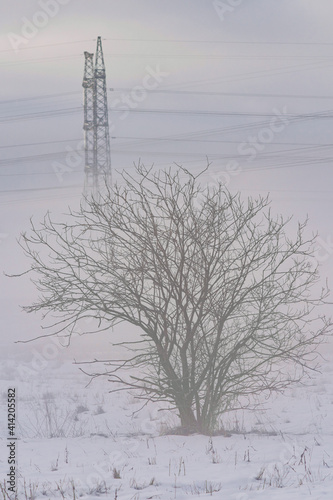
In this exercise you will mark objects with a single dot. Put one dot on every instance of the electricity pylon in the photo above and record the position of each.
(88, 125)
(96, 123)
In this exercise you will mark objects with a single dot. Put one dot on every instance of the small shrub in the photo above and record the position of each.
(207, 487)
(99, 410)
(81, 409)
(116, 473)
(99, 489)
(136, 486)
(48, 420)
(212, 452)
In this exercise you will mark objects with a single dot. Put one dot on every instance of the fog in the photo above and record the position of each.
(222, 77)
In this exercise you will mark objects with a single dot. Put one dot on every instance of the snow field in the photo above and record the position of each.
(86, 443)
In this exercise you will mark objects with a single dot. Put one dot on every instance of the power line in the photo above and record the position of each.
(175, 92)
(35, 173)
(247, 170)
(165, 40)
(35, 98)
(26, 144)
(263, 156)
(144, 140)
(48, 45)
(226, 94)
(293, 69)
(237, 57)
(319, 115)
(277, 166)
(66, 111)
(40, 114)
(41, 59)
(256, 74)
(224, 42)
(38, 157)
(218, 141)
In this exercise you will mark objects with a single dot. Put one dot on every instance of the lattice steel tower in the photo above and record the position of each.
(96, 123)
(88, 126)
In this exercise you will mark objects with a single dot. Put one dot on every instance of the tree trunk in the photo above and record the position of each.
(189, 423)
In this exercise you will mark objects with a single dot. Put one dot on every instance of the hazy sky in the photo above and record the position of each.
(203, 51)
(238, 82)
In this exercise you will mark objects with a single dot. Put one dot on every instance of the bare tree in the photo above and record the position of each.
(222, 296)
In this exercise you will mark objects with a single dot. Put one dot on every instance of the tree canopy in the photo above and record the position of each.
(225, 300)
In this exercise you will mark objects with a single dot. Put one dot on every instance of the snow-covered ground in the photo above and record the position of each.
(83, 442)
